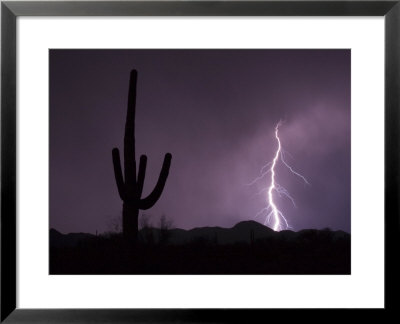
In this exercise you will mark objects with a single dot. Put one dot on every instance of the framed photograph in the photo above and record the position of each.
(193, 161)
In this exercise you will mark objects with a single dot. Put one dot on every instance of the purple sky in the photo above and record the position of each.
(215, 111)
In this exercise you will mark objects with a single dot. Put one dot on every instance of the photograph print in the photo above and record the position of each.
(200, 161)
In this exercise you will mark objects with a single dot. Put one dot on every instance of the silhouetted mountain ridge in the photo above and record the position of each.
(242, 232)
(58, 239)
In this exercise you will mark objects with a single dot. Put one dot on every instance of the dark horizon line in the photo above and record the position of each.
(220, 227)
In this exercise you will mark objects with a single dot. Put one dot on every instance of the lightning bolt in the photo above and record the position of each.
(273, 216)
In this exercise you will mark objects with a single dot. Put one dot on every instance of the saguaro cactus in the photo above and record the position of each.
(129, 186)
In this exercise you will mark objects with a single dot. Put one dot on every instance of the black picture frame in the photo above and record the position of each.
(10, 10)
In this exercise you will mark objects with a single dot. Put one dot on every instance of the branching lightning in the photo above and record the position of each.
(273, 216)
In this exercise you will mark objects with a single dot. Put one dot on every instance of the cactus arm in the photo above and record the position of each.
(118, 173)
(141, 175)
(152, 198)
(129, 140)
